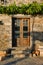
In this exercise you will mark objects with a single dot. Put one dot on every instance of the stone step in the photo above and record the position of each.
(19, 52)
(16, 52)
(19, 48)
(19, 55)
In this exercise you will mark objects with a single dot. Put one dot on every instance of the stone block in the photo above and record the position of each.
(2, 55)
(16, 52)
(41, 54)
(19, 56)
(2, 58)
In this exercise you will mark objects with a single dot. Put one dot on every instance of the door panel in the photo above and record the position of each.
(26, 32)
(24, 39)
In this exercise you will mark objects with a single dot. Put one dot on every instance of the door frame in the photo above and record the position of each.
(13, 37)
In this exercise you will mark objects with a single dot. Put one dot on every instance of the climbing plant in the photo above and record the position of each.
(32, 9)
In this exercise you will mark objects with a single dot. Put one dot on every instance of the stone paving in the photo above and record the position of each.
(23, 61)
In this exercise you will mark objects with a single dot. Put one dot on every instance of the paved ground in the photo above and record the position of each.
(23, 61)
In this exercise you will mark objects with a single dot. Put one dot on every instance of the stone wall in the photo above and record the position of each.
(24, 1)
(38, 30)
(7, 2)
(27, 1)
(36, 33)
(5, 31)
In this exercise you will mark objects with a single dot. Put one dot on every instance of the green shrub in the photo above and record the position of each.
(41, 12)
(33, 9)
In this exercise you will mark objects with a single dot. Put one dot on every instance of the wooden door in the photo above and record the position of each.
(24, 32)
(21, 32)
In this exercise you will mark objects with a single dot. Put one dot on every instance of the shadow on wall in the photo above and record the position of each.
(37, 39)
(37, 36)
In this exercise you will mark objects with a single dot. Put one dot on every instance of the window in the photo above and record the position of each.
(25, 35)
(25, 22)
(17, 32)
(17, 28)
(17, 22)
(25, 28)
